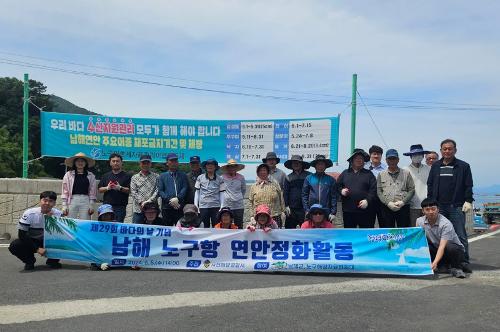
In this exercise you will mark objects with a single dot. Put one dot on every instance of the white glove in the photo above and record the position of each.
(174, 202)
(399, 204)
(104, 266)
(117, 187)
(363, 204)
(287, 211)
(252, 220)
(344, 192)
(466, 207)
(393, 206)
(331, 217)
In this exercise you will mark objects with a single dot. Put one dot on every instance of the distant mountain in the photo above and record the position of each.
(62, 105)
(488, 190)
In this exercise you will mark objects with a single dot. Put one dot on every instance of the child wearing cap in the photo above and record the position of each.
(225, 219)
(262, 219)
(317, 218)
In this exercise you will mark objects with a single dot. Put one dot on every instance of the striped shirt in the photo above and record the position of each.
(143, 188)
(269, 193)
(446, 187)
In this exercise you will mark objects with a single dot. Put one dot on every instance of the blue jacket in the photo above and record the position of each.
(322, 189)
(462, 177)
(170, 186)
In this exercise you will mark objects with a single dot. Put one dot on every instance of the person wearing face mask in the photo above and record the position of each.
(420, 173)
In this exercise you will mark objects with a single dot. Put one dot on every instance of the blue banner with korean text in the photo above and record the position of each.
(399, 251)
(246, 141)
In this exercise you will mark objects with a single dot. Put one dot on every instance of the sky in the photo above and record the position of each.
(442, 55)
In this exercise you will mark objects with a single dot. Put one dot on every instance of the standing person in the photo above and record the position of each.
(431, 158)
(79, 187)
(30, 232)
(450, 184)
(395, 189)
(209, 194)
(375, 165)
(320, 188)
(116, 187)
(266, 191)
(275, 173)
(317, 218)
(234, 196)
(420, 173)
(292, 191)
(173, 188)
(358, 190)
(444, 245)
(192, 175)
(143, 188)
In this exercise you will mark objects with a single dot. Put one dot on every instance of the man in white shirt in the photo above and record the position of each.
(31, 227)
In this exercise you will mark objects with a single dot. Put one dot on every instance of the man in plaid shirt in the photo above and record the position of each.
(143, 188)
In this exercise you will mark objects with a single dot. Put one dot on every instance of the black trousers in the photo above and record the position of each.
(171, 216)
(453, 254)
(25, 251)
(209, 216)
(238, 217)
(296, 218)
(390, 218)
(362, 219)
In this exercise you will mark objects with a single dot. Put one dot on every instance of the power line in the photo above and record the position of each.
(495, 107)
(185, 87)
(373, 120)
(174, 77)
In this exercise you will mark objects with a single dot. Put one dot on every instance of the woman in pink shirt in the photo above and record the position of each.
(79, 187)
(317, 218)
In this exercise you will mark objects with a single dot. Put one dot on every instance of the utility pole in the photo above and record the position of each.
(25, 125)
(353, 111)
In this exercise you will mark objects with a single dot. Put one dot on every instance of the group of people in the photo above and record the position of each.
(213, 196)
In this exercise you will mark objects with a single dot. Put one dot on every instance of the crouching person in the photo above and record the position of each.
(262, 220)
(30, 232)
(444, 245)
(317, 218)
(105, 213)
(225, 219)
(190, 219)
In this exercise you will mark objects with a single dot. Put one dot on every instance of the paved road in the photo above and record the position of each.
(77, 299)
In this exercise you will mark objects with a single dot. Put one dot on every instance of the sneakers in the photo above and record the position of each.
(457, 273)
(53, 264)
(29, 266)
(466, 268)
(443, 269)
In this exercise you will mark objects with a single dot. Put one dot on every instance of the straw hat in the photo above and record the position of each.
(232, 162)
(80, 155)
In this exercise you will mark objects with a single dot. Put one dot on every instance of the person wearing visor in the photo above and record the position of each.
(317, 218)
(225, 219)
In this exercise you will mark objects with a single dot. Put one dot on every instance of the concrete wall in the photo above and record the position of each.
(17, 195)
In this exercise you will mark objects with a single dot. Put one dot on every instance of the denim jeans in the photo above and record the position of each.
(120, 212)
(137, 218)
(457, 217)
